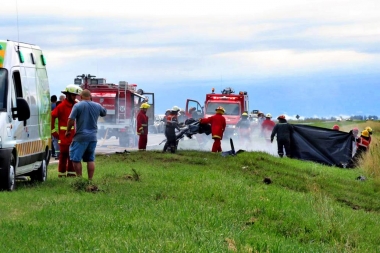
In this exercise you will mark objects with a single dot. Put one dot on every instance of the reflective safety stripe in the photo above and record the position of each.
(53, 130)
(141, 128)
(61, 173)
(65, 128)
(59, 141)
(71, 173)
(216, 136)
(144, 124)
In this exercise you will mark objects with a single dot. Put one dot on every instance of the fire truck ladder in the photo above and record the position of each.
(122, 88)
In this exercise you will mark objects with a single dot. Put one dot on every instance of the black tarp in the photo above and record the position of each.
(321, 145)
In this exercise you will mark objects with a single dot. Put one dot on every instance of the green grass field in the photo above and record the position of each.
(198, 202)
(195, 202)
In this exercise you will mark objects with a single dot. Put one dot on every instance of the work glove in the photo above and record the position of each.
(271, 140)
(55, 135)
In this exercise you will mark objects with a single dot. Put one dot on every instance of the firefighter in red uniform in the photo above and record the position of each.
(218, 125)
(62, 112)
(267, 127)
(362, 144)
(142, 126)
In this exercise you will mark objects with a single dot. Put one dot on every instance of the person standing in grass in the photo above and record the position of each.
(142, 126)
(85, 115)
(369, 129)
(218, 125)
(362, 146)
(170, 127)
(267, 127)
(283, 130)
(244, 130)
(62, 112)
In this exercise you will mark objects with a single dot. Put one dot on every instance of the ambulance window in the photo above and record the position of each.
(17, 90)
(3, 89)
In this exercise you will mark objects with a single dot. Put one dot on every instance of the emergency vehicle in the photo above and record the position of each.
(122, 102)
(25, 134)
(234, 104)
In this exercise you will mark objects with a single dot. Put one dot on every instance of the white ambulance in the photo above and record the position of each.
(25, 112)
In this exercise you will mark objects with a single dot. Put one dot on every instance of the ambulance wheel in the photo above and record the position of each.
(40, 175)
(8, 175)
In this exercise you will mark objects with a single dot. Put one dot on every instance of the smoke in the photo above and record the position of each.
(202, 142)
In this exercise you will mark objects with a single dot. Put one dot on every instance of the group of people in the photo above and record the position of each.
(268, 130)
(360, 144)
(74, 128)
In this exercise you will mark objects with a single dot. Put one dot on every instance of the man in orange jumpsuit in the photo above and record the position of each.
(218, 125)
(62, 112)
(142, 126)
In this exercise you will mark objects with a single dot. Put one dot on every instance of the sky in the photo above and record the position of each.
(311, 58)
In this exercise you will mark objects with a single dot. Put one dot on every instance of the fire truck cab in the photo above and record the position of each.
(234, 104)
(122, 102)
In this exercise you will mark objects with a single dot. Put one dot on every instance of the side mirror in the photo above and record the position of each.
(22, 111)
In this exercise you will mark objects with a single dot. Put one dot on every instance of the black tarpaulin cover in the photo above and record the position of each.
(321, 145)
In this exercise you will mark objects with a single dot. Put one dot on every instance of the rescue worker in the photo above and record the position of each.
(193, 113)
(283, 130)
(167, 112)
(62, 112)
(142, 126)
(369, 129)
(218, 125)
(362, 146)
(335, 127)
(170, 127)
(355, 132)
(182, 117)
(244, 130)
(267, 127)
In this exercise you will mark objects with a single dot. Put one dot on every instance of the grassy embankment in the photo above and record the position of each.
(197, 202)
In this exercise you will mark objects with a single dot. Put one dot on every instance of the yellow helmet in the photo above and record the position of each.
(220, 108)
(365, 133)
(72, 89)
(369, 129)
(144, 106)
(244, 114)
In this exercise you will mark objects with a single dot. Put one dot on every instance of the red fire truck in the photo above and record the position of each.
(122, 102)
(234, 104)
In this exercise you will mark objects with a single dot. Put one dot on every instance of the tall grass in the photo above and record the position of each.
(370, 161)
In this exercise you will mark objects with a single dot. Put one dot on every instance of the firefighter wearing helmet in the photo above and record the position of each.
(267, 127)
(283, 130)
(170, 127)
(218, 125)
(62, 112)
(142, 126)
(362, 146)
(369, 129)
(244, 130)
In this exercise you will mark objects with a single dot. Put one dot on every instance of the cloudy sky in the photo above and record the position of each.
(312, 58)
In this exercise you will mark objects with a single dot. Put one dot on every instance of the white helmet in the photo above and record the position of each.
(268, 115)
(175, 108)
(72, 89)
